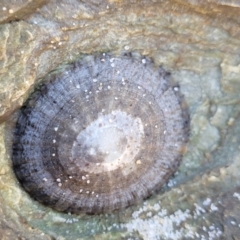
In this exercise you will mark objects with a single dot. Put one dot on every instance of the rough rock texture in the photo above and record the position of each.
(15, 10)
(198, 42)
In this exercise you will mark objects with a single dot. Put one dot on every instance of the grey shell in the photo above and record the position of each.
(104, 133)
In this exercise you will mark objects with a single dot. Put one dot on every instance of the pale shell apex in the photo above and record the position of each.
(103, 134)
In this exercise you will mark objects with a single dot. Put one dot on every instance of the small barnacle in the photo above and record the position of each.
(117, 145)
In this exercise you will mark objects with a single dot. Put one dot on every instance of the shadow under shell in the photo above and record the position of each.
(101, 135)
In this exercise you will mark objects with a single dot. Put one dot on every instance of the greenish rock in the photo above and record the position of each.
(198, 42)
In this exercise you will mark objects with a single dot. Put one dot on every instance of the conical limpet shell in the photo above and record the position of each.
(102, 135)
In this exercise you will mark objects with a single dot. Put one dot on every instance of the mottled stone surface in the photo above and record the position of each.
(12, 10)
(198, 42)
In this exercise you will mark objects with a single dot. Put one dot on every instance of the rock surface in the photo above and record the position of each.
(18, 10)
(198, 42)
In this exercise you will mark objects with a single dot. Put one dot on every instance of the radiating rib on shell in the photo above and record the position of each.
(103, 134)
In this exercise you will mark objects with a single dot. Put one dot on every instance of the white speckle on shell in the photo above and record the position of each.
(138, 162)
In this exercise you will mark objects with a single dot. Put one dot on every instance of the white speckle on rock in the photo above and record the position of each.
(207, 201)
(156, 207)
(213, 207)
(198, 211)
(69, 221)
(149, 214)
(237, 195)
(171, 183)
(159, 227)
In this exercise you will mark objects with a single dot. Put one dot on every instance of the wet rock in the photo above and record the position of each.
(198, 42)
(18, 10)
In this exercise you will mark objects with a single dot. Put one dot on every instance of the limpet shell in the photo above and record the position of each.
(103, 134)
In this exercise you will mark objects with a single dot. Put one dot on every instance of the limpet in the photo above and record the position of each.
(103, 134)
